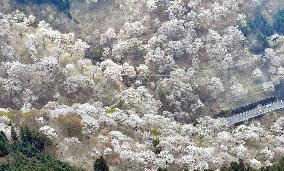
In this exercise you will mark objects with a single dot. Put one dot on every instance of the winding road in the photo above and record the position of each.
(260, 110)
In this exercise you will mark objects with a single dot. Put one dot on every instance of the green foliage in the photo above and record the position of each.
(155, 131)
(14, 135)
(3, 137)
(31, 144)
(162, 92)
(36, 139)
(26, 135)
(62, 5)
(259, 28)
(101, 165)
(4, 145)
(279, 22)
(261, 43)
(111, 110)
(9, 115)
(238, 166)
(25, 148)
(200, 141)
(41, 162)
(156, 142)
(95, 53)
(25, 154)
(258, 24)
(279, 166)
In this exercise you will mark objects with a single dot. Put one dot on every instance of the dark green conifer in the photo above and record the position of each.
(101, 165)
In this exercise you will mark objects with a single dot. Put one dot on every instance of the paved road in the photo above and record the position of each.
(255, 112)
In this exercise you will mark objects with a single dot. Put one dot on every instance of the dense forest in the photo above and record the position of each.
(141, 85)
(259, 28)
(26, 152)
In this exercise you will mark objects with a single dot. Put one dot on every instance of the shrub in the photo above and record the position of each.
(9, 115)
(111, 110)
(71, 124)
(155, 131)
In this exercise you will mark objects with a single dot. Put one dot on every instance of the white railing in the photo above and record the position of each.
(258, 111)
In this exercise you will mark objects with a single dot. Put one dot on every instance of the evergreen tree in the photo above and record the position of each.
(14, 135)
(101, 165)
(257, 24)
(4, 145)
(26, 157)
(36, 139)
(61, 5)
(26, 135)
(261, 43)
(239, 166)
(279, 22)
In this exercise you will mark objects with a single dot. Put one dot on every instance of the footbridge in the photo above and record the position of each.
(260, 110)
